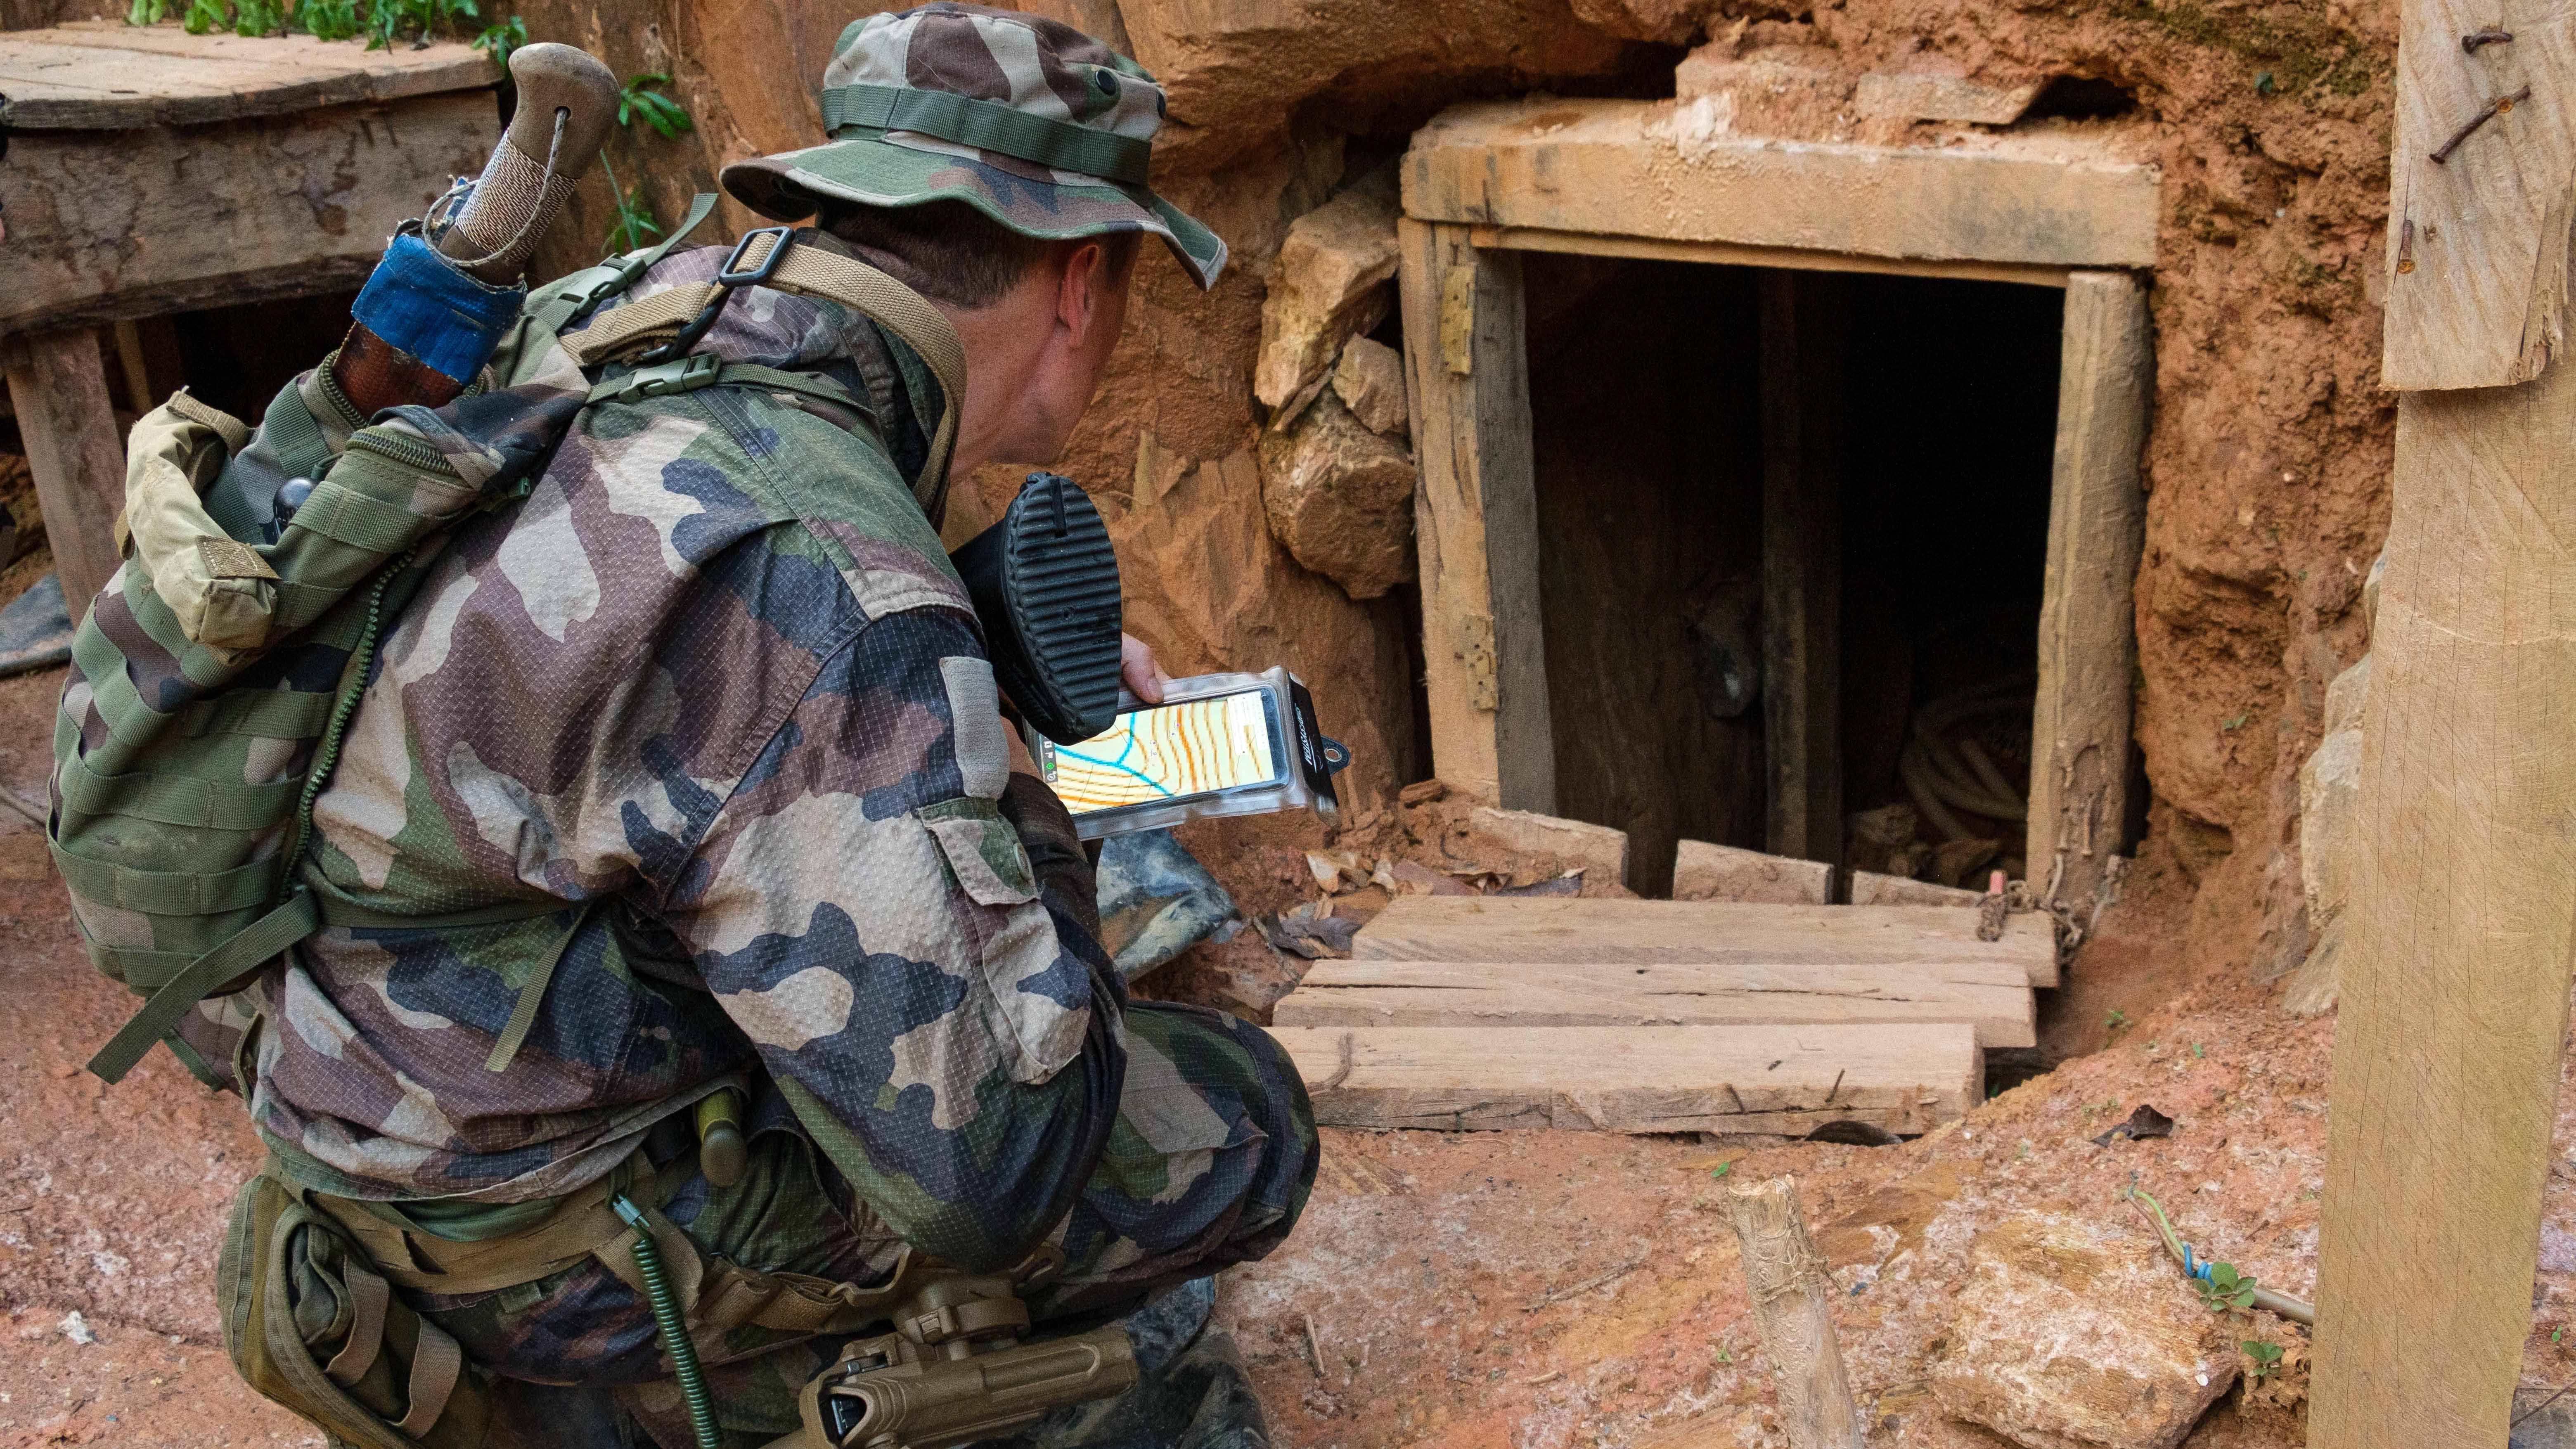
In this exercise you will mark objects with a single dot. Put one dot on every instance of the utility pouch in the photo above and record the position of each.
(312, 1326)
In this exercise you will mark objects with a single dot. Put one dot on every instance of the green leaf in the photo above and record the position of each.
(1722, 1169)
(638, 100)
(502, 40)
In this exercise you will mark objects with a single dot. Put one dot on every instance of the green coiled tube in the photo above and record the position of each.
(675, 1334)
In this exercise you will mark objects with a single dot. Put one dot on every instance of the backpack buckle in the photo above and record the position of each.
(732, 275)
(686, 374)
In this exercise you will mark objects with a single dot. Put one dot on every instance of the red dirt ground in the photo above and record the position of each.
(1532, 1290)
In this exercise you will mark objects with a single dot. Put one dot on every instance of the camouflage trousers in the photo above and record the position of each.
(1209, 1164)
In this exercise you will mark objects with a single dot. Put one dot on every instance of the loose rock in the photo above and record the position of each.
(1335, 279)
(2078, 1334)
(1370, 382)
(1340, 499)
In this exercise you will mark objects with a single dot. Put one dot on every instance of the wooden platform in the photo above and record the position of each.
(1990, 996)
(1470, 1013)
(1755, 1079)
(105, 75)
(1572, 929)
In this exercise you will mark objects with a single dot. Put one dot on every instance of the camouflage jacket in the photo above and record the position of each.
(713, 692)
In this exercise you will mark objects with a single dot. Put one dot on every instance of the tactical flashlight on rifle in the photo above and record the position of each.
(956, 1370)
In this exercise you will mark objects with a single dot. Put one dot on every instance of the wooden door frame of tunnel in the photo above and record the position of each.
(151, 172)
(2450, 1031)
(1484, 183)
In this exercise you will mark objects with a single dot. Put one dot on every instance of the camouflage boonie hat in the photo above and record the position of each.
(1028, 120)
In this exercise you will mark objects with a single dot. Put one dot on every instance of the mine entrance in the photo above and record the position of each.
(1879, 626)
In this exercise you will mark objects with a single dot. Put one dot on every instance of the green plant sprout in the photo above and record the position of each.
(499, 41)
(1722, 1169)
(634, 214)
(641, 99)
(147, 12)
(329, 19)
(2225, 1288)
(2266, 1355)
(2115, 1020)
(205, 17)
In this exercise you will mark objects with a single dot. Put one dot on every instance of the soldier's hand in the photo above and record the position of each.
(1136, 665)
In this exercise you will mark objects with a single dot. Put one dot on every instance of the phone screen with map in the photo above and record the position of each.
(1170, 752)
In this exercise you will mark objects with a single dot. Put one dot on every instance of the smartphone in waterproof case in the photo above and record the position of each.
(1218, 745)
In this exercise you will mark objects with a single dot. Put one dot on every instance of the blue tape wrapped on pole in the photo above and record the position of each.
(423, 304)
(442, 298)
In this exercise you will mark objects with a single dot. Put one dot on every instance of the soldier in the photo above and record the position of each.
(697, 762)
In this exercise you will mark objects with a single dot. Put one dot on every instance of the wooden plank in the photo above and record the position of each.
(1660, 169)
(1476, 518)
(2477, 250)
(1992, 995)
(2454, 975)
(1733, 254)
(58, 388)
(1804, 319)
(1573, 929)
(2088, 644)
(116, 77)
(143, 222)
(1760, 1079)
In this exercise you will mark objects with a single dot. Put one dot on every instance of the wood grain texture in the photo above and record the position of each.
(1793, 1310)
(143, 222)
(1663, 170)
(108, 76)
(1761, 1079)
(2455, 971)
(1572, 929)
(1805, 322)
(2088, 645)
(1992, 996)
(1737, 254)
(1476, 518)
(2477, 251)
(58, 388)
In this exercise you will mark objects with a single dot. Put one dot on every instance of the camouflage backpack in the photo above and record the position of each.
(217, 673)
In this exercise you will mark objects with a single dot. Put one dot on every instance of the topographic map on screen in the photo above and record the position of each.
(1166, 752)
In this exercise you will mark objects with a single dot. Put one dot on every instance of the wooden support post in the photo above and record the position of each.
(2455, 966)
(2455, 975)
(1793, 1308)
(1803, 320)
(1476, 518)
(59, 389)
(2088, 643)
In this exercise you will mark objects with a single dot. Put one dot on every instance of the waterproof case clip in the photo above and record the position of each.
(1218, 745)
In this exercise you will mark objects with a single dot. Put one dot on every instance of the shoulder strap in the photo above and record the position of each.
(816, 272)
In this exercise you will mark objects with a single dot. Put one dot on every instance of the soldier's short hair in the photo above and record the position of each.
(950, 252)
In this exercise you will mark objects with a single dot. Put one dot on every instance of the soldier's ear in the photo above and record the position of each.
(1084, 289)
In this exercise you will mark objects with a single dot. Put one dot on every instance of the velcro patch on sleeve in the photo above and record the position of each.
(975, 720)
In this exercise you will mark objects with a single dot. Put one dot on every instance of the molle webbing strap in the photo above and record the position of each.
(814, 272)
(989, 126)
(170, 1000)
(437, 1361)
